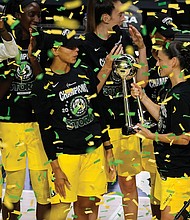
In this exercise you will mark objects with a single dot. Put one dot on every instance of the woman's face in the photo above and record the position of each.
(31, 16)
(164, 63)
(67, 55)
(117, 17)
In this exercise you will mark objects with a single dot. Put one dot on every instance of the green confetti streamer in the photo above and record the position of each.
(111, 199)
(30, 210)
(154, 31)
(56, 135)
(14, 24)
(119, 194)
(88, 137)
(34, 34)
(62, 8)
(86, 67)
(77, 63)
(144, 31)
(1, 65)
(96, 161)
(52, 95)
(16, 99)
(29, 129)
(177, 96)
(90, 149)
(40, 76)
(74, 216)
(92, 198)
(162, 3)
(48, 162)
(131, 113)
(156, 137)
(96, 69)
(23, 154)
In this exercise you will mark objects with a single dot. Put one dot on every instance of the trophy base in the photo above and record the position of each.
(128, 130)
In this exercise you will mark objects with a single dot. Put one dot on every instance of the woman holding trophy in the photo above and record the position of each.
(104, 42)
(171, 142)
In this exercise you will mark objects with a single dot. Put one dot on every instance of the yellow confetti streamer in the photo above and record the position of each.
(181, 126)
(58, 142)
(68, 90)
(71, 34)
(140, 83)
(16, 212)
(53, 31)
(61, 21)
(21, 11)
(180, 11)
(125, 6)
(111, 32)
(72, 5)
(174, 110)
(164, 11)
(174, 6)
(109, 82)
(37, 53)
(129, 50)
(137, 65)
(135, 202)
(71, 15)
(151, 13)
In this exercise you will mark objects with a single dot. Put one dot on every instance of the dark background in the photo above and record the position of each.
(181, 20)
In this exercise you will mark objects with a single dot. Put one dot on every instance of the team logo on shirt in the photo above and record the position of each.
(24, 72)
(78, 106)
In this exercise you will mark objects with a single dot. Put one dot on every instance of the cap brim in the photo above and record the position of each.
(168, 32)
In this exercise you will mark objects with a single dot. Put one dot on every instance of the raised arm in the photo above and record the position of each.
(8, 49)
(142, 60)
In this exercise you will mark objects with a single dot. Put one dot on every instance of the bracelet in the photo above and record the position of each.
(108, 147)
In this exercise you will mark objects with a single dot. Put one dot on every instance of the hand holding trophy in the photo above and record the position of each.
(124, 67)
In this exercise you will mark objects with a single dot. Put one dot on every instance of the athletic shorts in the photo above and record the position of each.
(126, 152)
(148, 157)
(85, 172)
(19, 141)
(172, 192)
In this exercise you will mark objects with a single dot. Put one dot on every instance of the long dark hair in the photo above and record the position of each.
(95, 10)
(181, 50)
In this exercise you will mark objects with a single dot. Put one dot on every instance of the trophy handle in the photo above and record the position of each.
(141, 116)
(128, 121)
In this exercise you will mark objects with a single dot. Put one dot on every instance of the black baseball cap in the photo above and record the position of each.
(161, 23)
(61, 40)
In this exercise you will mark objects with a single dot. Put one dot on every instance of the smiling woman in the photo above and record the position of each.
(20, 133)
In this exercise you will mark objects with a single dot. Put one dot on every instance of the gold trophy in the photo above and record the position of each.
(124, 67)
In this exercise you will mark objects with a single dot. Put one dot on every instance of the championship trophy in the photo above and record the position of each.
(123, 66)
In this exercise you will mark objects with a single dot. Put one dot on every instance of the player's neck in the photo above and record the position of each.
(102, 32)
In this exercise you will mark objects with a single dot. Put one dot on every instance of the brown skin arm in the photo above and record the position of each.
(37, 69)
(3, 31)
(182, 139)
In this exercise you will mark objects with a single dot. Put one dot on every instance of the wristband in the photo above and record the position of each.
(108, 147)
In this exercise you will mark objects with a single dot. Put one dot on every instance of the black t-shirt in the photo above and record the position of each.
(67, 112)
(93, 52)
(173, 161)
(15, 105)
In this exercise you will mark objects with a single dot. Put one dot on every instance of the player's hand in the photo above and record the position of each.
(61, 181)
(32, 44)
(117, 49)
(111, 167)
(136, 37)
